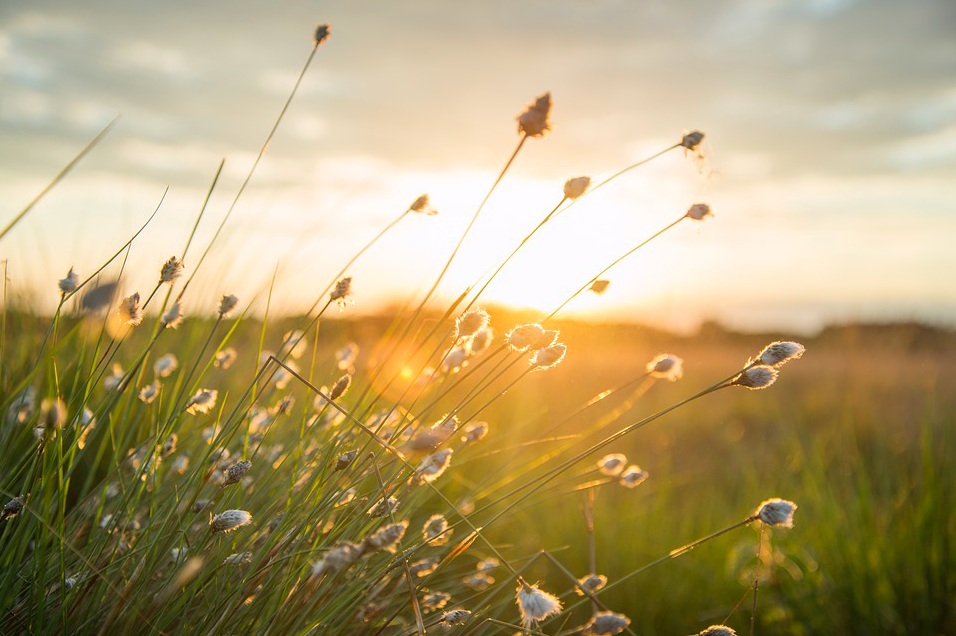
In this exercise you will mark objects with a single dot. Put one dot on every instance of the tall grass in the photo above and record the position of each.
(317, 486)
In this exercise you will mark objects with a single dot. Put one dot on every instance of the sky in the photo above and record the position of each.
(830, 151)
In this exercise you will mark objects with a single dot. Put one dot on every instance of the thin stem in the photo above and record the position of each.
(58, 177)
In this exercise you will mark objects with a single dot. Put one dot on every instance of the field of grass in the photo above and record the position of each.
(858, 433)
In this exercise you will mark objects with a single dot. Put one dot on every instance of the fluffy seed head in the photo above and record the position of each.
(342, 293)
(691, 140)
(129, 311)
(69, 284)
(759, 377)
(525, 337)
(423, 567)
(52, 414)
(777, 512)
(383, 507)
(612, 464)
(173, 316)
(340, 387)
(718, 630)
(387, 537)
(549, 356)
(455, 359)
(321, 33)
(23, 406)
(435, 531)
(776, 354)
(633, 476)
(592, 583)
(471, 322)
(475, 432)
(421, 205)
(455, 617)
(481, 340)
(434, 465)
(534, 120)
(225, 358)
(599, 286)
(172, 269)
(294, 343)
(239, 558)
(606, 624)
(478, 581)
(340, 557)
(535, 604)
(149, 392)
(667, 366)
(236, 471)
(699, 211)
(165, 365)
(573, 188)
(227, 304)
(487, 565)
(345, 459)
(230, 520)
(12, 508)
(169, 446)
(203, 401)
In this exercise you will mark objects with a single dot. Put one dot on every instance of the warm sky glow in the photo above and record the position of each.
(830, 130)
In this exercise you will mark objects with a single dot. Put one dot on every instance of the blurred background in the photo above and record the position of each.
(830, 150)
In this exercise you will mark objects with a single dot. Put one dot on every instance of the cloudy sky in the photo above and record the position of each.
(831, 149)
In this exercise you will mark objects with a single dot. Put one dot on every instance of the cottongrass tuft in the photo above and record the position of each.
(455, 359)
(524, 337)
(758, 377)
(535, 605)
(339, 557)
(383, 507)
(227, 304)
(699, 211)
(53, 414)
(606, 624)
(172, 269)
(435, 531)
(229, 520)
(321, 34)
(203, 401)
(471, 322)
(388, 537)
(776, 512)
(666, 366)
(482, 340)
(129, 310)
(342, 293)
(235, 472)
(590, 583)
(422, 205)
(340, 387)
(778, 353)
(599, 286)
(455, 617)
(692, 140)
(165, 365)
(173, 316)
(633, 476)
(225, 358)
(718, 630)
(69, 283)
(434, 465)
(149, 392)
(423, 567)
(239, 558)
(23, 406)
(345, 459)
(478, 581)
(13, 507)
(573, 188)
(549, 356)
(474, 432)
(612, 464)
(534, 120)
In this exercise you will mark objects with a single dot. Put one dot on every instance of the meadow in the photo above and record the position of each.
(462, 468)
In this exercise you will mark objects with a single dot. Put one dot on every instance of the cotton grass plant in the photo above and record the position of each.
(160, 475)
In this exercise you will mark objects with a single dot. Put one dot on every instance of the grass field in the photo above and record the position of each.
(858, 433)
